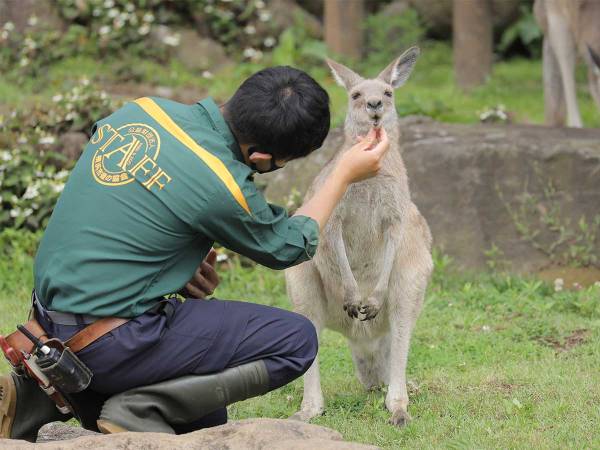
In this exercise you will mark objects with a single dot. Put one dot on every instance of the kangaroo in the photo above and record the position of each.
(568, 25)
(368, 277)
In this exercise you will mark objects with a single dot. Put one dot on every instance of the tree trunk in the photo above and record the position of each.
(472, 42)
(343, 27)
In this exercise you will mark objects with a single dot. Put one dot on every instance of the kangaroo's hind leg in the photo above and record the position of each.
(305, 290)
(407, 291)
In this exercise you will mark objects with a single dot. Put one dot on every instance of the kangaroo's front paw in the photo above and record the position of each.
(400, 418)
(307, 413)
(370, 308)
(352, 305)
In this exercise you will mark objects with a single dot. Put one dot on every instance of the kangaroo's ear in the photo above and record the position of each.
(345, 77)
(595, 59)
(399, 70)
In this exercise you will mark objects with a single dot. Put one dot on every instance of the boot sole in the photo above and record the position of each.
(107, 427)
(8, 405)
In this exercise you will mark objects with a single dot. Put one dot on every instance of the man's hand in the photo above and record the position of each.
(205, 280)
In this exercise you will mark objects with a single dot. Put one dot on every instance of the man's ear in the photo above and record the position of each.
(400, 69)
(345, 77)
(256, 155)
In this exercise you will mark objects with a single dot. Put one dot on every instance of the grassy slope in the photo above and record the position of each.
(501, 388)
(517, 84)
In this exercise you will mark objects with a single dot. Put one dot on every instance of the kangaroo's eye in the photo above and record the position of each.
(355, 95)
(388, 93)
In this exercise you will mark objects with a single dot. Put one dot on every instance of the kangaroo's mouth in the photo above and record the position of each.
(376, 120)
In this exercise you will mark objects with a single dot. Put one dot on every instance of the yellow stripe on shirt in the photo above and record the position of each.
(214, 163)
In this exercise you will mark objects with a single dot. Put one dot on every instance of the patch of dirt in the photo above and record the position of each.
(576, 338)
(572, 276)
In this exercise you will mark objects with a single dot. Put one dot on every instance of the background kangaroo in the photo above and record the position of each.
(569, 26)
(369, 275)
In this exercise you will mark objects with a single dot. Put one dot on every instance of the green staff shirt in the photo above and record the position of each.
(158, 183)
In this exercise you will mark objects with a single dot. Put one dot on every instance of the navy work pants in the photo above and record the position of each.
(198, 337)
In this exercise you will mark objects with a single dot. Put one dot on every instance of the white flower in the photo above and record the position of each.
(114, 12)
(558, 284)
(96, 12)
(9, 26)
(208, 9)
(129, 7)
(47, 140)
(172, 40)
(70, 116)
(249, 52)
(264, 16)
(58, 187)
(148, 17)
(30, 43)
(22, 140)
(15, 212)
(23, 62)
(27, 212)
(61, 175)
(259, 4)
(109, 3)
(4, 35)
(250, 29)
(32, 21)
(486, 328)
(57, 98)
(144, 29)
(269, 42)
(118, 23)
(104, 29)
(31, 192)
(207, 74)
(597, 284)
(85, 82)
(103, 95)
(5, 155)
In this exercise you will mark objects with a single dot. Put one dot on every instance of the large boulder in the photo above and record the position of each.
(491, 194)
(251, 434)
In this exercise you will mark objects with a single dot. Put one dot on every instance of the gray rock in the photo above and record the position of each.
(251, 434)
(467, 180)
(71, 144)
(19, 11)
(200, 53)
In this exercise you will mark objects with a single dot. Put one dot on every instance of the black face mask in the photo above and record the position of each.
(273, 166)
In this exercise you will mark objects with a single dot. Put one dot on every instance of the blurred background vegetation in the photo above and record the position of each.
(66, 63)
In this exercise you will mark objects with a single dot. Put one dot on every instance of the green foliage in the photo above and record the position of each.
(295, 48)
(524, 32)
(32, 173)
(388, 36)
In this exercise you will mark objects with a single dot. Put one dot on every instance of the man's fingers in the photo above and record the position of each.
(211, 258)
(195, 292)
(384, 143)
(210, 274)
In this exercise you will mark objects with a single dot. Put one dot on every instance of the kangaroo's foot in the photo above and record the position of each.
(307, 412)
(400, 418)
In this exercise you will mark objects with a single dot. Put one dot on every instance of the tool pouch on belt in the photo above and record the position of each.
(52, 363)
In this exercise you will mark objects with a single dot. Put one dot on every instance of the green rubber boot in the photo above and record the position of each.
(25, 408)
(183, 400)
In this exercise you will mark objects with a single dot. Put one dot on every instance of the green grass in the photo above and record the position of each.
(517, 84)
(484, 359)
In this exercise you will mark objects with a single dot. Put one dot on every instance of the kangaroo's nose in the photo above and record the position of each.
(374, 104)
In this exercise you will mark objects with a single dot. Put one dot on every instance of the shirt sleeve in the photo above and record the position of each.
(265, 234)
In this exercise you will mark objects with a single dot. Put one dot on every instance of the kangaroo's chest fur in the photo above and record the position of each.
(367, 210)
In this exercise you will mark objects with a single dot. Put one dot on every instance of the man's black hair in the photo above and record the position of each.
(281, 110)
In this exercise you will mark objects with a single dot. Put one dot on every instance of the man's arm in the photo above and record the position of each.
(358, 163)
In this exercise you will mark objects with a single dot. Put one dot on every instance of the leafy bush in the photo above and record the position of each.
(524, 33)
(32, 174)
(388, 36)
